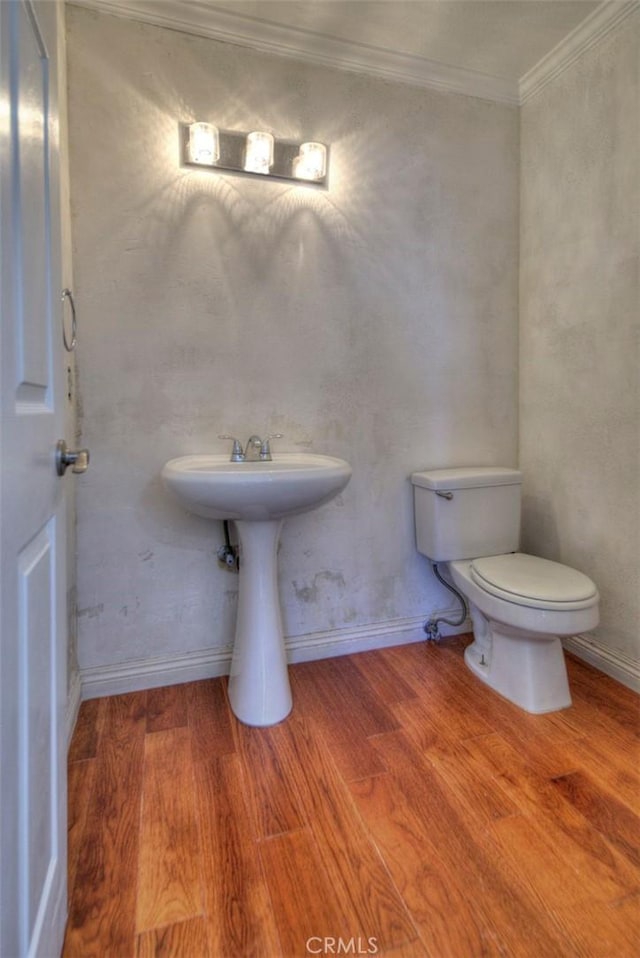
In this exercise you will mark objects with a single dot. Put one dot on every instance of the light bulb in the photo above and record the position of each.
(204, 144)
(311, 162)
(259, 152)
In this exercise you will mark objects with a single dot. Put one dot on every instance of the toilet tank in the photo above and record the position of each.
(467, 513)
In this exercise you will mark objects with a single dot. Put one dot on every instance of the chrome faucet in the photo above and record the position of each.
(252, 449)
(257, 449)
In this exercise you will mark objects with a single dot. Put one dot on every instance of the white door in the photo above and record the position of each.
(32, 519)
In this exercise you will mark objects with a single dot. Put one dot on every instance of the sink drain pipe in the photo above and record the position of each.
(431, 625)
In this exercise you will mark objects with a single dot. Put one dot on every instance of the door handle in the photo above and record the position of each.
(78, 459)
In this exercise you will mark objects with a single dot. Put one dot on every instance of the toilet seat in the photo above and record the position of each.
(534, 582)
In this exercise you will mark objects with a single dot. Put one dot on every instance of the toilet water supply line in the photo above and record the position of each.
(431, 625)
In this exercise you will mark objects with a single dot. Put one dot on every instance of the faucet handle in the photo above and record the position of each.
(265, 449)
(237, 454)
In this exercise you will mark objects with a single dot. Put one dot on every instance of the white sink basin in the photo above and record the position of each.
(213, 487)
(257, 496)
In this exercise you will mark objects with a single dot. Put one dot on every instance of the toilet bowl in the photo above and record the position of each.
(469, 520)
(520, 605)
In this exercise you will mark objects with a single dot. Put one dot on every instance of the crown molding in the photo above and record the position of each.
(205, 20)
(593, 28)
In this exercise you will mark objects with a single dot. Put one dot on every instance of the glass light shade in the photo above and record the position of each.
(259, 152)
(311, 162)
(204, 144)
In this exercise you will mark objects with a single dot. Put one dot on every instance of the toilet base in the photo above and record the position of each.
(528, 670)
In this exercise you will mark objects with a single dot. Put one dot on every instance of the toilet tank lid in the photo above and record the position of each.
(469, 477)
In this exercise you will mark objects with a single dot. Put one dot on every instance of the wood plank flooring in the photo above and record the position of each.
(402, 809)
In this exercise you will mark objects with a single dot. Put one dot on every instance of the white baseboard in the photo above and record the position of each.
(154, 672)
(610, 661)
(325, 645)
(210, 663)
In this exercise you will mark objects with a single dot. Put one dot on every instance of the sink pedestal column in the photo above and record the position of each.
(259, 689)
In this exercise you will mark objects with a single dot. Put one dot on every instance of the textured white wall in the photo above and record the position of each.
(579, 330)
(376, 321)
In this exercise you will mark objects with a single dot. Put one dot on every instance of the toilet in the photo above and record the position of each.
(469, 520)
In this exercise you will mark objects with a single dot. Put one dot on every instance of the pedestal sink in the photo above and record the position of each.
(258, 496)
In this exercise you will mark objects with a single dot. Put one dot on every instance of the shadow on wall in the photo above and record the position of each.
(539, 527)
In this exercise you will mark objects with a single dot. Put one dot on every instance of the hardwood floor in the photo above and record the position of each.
(402, 809)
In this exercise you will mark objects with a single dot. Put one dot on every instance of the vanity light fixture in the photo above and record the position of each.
(257, 153)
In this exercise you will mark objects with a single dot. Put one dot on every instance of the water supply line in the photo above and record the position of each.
(228, 554)
(431, 625)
